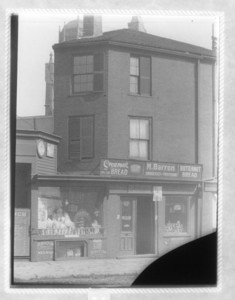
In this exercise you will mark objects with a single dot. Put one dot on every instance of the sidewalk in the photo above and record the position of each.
(80, 271)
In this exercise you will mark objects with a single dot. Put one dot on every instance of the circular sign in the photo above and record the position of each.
(41, 148)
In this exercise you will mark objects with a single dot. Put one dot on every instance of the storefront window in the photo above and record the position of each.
(176, 214)
(71, 212)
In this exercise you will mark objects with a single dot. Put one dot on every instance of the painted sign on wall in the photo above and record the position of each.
(129, 168)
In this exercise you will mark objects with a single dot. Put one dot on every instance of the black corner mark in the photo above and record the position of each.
(193, 264)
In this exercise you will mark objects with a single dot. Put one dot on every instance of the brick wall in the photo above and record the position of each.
(67, 105)
(171, 107)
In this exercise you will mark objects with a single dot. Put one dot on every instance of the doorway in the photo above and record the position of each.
(145, 232)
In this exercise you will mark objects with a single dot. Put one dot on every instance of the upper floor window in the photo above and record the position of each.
(81, 137)
(140, 75)
(87, 73)
(139, 147)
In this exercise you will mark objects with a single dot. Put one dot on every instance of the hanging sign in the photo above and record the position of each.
(157, 193)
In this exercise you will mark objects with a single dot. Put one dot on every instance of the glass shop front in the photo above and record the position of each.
(67, 223)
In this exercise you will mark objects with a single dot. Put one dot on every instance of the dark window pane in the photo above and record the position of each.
(98, 82)
(98, 62)
(145, 66)
(145, 76)
(74, 128)
(87, 137)
(145, 86)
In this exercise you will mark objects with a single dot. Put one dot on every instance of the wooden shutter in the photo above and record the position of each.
(87, 137)
(74, 138)
(145, 76)
(98, 71)
(98, 62)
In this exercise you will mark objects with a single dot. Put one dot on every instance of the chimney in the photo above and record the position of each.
(49, 78)
(92, 26)
(136, 23)
(71, 31)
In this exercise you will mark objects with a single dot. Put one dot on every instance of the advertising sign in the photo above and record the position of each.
(45, 250)
(21, 232)
(150, 169)
(157, 193)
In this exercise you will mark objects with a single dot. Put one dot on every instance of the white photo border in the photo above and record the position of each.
(219, 19)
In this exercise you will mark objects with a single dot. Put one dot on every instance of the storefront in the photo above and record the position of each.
(115, 213)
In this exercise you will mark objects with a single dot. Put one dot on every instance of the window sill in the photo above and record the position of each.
(139, 95)
(85, 160)
(85, 94)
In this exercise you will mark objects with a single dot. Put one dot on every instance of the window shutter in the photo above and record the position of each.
(98, 62)
(145, 76)
(98, 82)
(74, 138)
(87, 137)
(98, 71)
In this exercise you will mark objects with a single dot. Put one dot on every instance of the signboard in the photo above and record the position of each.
(21, 232)
(50, 150)
(157, 193)
(129, 168)
(97, 248)
(45, 250)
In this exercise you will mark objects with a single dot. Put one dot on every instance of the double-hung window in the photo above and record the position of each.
(87, 73)
(81, 137)
(140, 75)
(139, 147)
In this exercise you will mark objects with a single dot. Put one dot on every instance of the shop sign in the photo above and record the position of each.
(157, 193)
(129, 168)
(97, 248)
(45, 250)
(50, 150)
(21, 232)
(190, 171)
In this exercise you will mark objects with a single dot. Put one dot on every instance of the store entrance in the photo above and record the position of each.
(145, 237)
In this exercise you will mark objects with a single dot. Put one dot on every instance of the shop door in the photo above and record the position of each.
(174, 224)
(127, 226)
(145, 237)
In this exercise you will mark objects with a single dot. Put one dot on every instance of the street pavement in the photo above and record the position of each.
(83, 271)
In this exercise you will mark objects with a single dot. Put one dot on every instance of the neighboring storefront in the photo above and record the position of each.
(128, 208)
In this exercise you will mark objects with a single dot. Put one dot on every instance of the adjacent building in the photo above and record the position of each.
(133, 146)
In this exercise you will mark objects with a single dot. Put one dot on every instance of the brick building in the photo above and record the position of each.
(134, 121)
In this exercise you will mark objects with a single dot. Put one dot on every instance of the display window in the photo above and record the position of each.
(176, 214)
(71, 212)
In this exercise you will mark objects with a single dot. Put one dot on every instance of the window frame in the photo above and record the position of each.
(139, 75)
(149, 119)
(80, 146)
(93, 73)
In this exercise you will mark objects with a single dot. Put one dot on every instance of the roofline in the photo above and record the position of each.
(140, 47)
(23, 133)
(108, 179)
